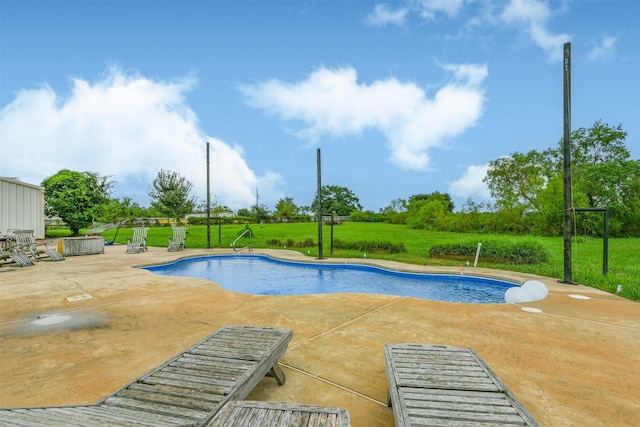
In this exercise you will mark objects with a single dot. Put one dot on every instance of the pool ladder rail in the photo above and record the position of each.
(250, 247)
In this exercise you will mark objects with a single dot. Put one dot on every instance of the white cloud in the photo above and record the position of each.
(428, 9)
(332, 102)
(470, 185)
(531, 17)
(382, 16)
(603, 49)
(534, 15)
(125, 126)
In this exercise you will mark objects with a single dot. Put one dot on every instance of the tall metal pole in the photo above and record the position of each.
(332, 215)
(568, 202)
(605, 243)
(208, 203)
(319, 205)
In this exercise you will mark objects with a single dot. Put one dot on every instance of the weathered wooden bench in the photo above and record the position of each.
(188, 389)
(439, 385)
(273, 414)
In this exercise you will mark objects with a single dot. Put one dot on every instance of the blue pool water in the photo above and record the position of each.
(262, 275)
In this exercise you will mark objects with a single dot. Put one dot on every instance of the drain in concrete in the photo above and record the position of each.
(50, 319)
(54, 322)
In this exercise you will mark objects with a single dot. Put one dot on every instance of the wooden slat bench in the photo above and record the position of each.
(439, 385)
(188, 389)
(273, 414)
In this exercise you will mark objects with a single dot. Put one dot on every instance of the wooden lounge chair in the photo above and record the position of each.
(138, 242)
(26, 243)
(188, 389)
(273, 414)
(444, 385)
(17, 258)
(176, 242)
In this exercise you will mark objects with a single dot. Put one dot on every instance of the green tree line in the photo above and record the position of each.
(527, 191)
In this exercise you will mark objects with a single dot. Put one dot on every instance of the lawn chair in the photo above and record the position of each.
(139, 240)
(26, 243)
(186, 390)
(18, 258)
(447, 385)
(176, 242)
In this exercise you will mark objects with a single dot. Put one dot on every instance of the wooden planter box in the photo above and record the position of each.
(71, 246)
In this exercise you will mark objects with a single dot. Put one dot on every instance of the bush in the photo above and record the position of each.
(290, 243)
(370, 246)
(367, 216)
(525, 252)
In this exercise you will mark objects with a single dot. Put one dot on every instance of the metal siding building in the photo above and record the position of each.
(21, 207)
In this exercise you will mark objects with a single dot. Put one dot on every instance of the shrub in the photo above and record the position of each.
(525, 252)
(290, 243)
(367, 216)
(370, 246)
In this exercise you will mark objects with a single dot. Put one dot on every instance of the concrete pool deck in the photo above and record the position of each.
(72, 332)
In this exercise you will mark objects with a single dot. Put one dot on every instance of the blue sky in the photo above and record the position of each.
(402, 97)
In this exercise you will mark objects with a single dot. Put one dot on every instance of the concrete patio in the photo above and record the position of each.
(575, 363)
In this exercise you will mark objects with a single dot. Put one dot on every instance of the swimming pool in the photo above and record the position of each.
(263, 275)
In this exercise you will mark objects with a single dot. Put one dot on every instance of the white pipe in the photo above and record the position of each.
(477, 255)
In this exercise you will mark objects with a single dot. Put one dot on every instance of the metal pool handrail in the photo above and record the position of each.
(233, 245)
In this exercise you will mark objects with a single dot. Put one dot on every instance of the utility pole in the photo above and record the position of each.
(208, 203)
(568, 199)
(318, 160)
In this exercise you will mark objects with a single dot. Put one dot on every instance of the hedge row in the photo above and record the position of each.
(290, 243)
(526, 252)
(370, 246)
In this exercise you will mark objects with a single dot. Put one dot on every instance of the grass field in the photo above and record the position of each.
(624, 254)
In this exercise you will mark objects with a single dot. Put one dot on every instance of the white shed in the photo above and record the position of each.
(21, 207)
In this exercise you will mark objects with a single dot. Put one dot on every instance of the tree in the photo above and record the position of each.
(125, 209)
(396, 212)
(430, 211)
(259, 213)
(285, 208)
(429, 214)
(443, 198)
(601, 166)
(76, 197)
(528, 187)
(170, 194)
(516, 181)
(337, 199)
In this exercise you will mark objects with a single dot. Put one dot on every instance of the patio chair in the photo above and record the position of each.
(446, 385)
(17, 258)
(188, 389)
(26, 243)
(176, 242)
(138, 242)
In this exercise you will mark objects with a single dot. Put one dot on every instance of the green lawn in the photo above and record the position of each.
(624, 268)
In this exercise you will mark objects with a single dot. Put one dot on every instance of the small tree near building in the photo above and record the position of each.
(76, 197)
